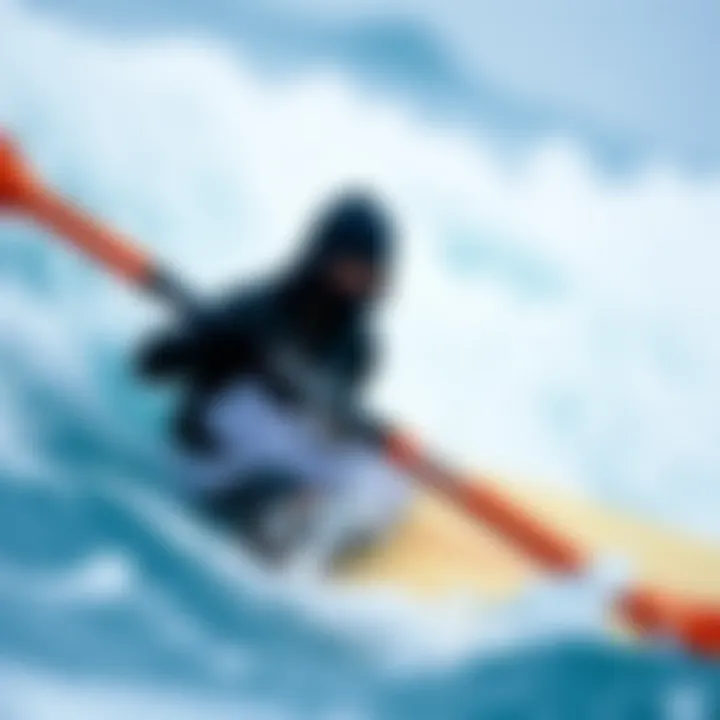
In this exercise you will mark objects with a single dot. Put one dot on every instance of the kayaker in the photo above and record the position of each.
(268, 376)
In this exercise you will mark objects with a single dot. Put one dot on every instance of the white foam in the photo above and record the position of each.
(606, 377)
(103, 577)
(30, 695)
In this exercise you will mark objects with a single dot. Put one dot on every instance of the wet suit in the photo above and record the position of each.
(275, 342)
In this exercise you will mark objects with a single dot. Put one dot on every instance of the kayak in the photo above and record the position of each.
(437, 551)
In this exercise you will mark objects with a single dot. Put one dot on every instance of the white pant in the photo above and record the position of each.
(257, 433)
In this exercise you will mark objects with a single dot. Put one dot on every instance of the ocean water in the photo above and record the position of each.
(550, 321)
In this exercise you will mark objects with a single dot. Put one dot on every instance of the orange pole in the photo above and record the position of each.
(694, 625)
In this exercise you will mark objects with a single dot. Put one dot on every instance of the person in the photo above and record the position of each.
(271, 379)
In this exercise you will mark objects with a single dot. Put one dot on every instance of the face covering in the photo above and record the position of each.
(354, 227)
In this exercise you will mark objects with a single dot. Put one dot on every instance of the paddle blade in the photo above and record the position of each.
(22, 191)
(17, 180)
(693, 625)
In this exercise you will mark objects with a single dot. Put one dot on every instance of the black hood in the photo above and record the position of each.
(353, 225)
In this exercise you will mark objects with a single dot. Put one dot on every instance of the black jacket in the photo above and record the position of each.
(292, 333)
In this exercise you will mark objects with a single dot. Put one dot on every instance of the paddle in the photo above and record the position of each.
(693, 625)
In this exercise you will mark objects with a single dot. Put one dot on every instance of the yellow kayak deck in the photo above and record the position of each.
(436, 551)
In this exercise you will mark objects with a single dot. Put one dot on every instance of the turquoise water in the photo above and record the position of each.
(113, 602)
(548, 322)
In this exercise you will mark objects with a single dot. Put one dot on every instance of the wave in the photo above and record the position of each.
(558, 324)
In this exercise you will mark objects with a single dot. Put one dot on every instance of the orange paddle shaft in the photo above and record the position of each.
(695, 626)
